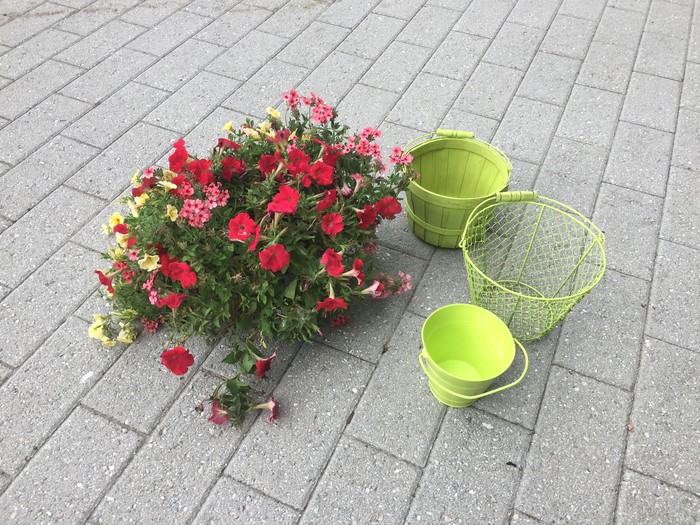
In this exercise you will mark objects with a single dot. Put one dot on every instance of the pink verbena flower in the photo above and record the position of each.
(406, 283)
(215, 195)
(196, 212)
(291, 97)
(399, 157)
(370, 132)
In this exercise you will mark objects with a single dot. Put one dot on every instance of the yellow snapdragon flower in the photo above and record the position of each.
(149, 262)
(228, 126)
(115, 219)
(274, 113)
(171, 212)
(127, 334)
(251, 133)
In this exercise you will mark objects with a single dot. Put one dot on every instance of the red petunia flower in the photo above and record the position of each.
(356, 271)
(219, 414)
(271, 405)
(178, 360)
(367, 216)
(263, 365)
(105, 281)
(181, 271)
(179, 157)
(298, 161)
(285, 201)
(322, 173)
(388, 207)
(327, 201)
(121, 228)
(340, 320)
(174, 300)
(333, 262)
(231, 165)
(332, 223)
(226, 144)
(274, 258)
(201, 172)
(268, 163)
(332, 303)
(240, 227)
(256, 238)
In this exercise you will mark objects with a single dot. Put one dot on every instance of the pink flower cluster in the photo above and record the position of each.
(399, 157)
(321, 113)
(196, 211)
(215, 195)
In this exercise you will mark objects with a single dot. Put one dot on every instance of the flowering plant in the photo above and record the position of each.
(271, 233)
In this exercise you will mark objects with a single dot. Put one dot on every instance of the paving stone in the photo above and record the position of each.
(641, 6)
(620, 28)
(425, 101)
(489, 91)
(5, 370)
(591, 116)
(372, 36)
(690, 98)
(335, 76)
(138, 389)
(652, 101)
(26, 56)
(100, 44)
(268, 4)
(482, 127)
(192, 102)
(444, 282)
(514, 46)
(92, 236)
(675, 286)
(429, 26)
(694, 42)
(669, 19)
(121, 111)
(85, 21)
(365, 106)
(521, 403)
(574, 461)
(588, 10)
(681, 218)
(602, 335)
(233, 25)
(41, 394)
(152, 12)
(481, 493)
(26, 134)
(664, 441)
(568, 36)
(243, 506)
(405, 9)
(32, 239)
(455, 5)
(523, 176)
(95, 304)
(362, 485)
(484, 17)
(247, 56)
(210, 8)
(285, 459)
(639, 158)
(109, 75)
(647, 499)
(630, 220)
(109, 173)
(686, 147)
(519, 518)
(265, 88)
(375, 320)
(550, 78)
(347, 13)
(527, 129)
(19, 6)
(535, 13)
(398, 235)
(457, 56)
(312, 46)
(170, 33)
(69, 475)
(397, 413)
(182, 459)
(397, 67)
(21, 28)
(607, 66)
(661, 55)
(43, 171)
(293, 18)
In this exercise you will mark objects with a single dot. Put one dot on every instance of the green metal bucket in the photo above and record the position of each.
(465, 348)
(457, 172)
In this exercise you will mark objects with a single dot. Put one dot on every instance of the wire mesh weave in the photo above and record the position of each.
(530, 259)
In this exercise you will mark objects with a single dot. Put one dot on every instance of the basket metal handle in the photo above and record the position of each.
(454, 133)
(516, 196)
(424, 355)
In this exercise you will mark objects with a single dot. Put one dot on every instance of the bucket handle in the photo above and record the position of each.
(424, 355)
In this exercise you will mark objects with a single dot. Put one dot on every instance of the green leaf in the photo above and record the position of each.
(290, 291)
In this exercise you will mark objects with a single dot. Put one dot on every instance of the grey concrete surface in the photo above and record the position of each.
(597, 103)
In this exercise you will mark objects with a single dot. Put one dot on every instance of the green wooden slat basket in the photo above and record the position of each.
(458, 171)
(530, 259)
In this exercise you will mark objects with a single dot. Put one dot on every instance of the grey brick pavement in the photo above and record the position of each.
(598, 105)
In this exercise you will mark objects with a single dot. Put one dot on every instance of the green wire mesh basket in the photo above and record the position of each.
(530, 259)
